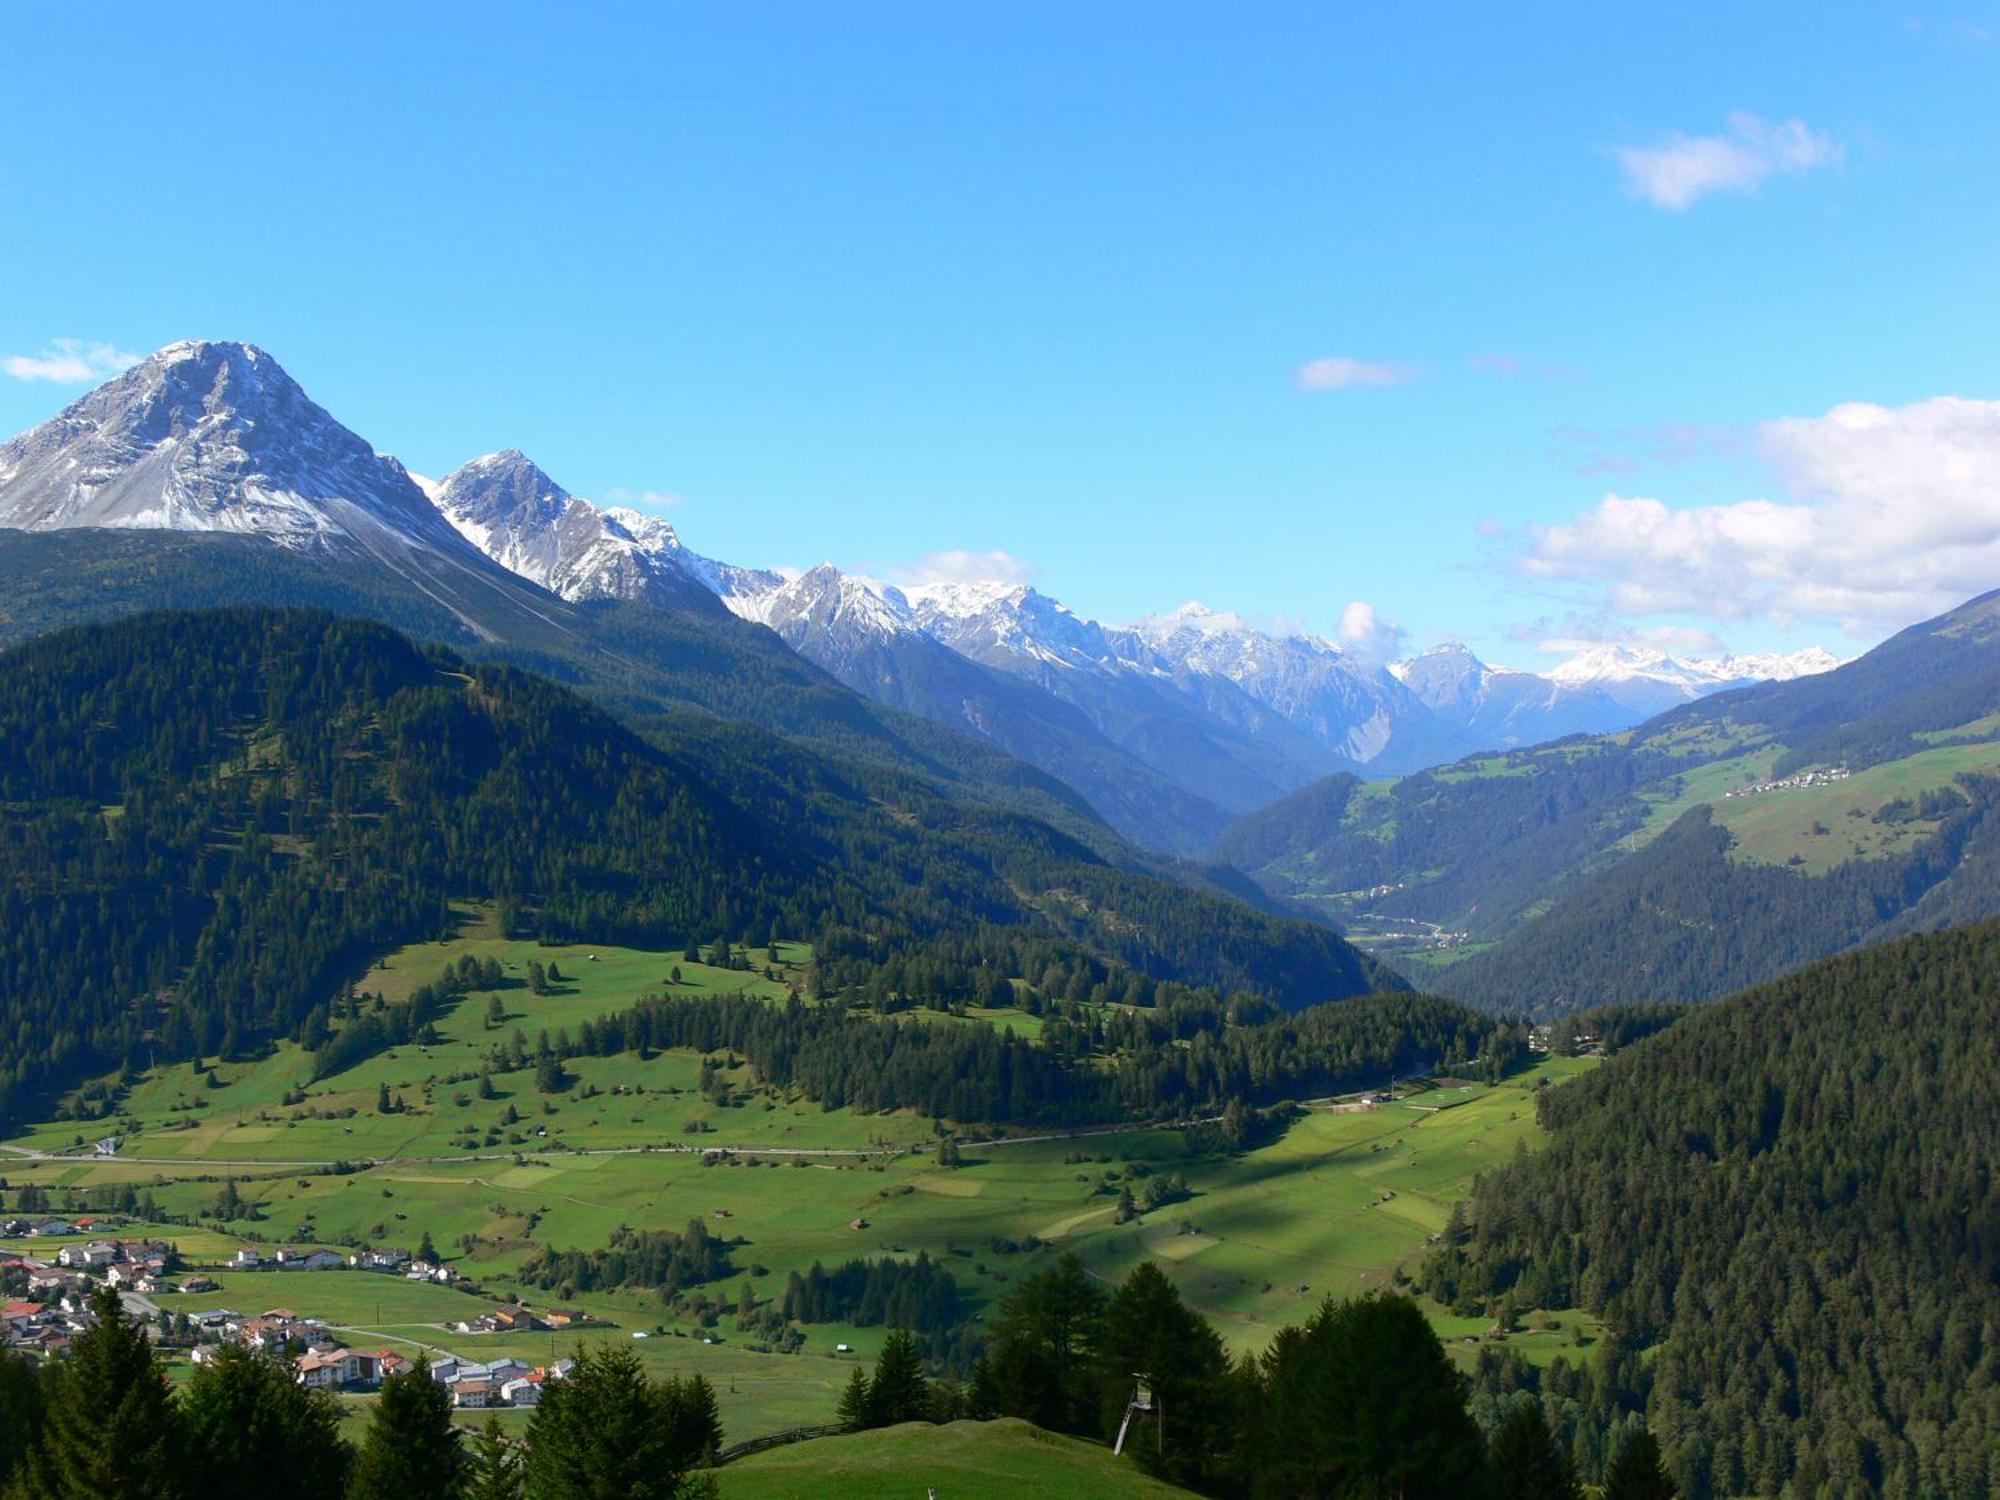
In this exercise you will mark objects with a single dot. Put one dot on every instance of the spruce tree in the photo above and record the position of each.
(1148, 1330)
(109, 1431)
(496, 1467)
(246, 1419)
(1637, 1472)
(853, 1407)
(899, 1392)
(606, 1432)
(411, 1447)
(1362, 1400)
(694, 1417)
(1527, 1464)
(20, 1413)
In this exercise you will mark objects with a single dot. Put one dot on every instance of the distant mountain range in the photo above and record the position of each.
(1711, 847)
(1167, 728)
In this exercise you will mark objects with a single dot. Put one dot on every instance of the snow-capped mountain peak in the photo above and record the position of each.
(504, 504)
(207, 436)
(1611, 664)
(826, 600)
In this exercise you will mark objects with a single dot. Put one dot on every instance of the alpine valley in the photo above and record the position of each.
(495, 1002)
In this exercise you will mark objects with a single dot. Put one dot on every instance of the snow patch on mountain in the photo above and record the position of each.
(207, 436)
(505, 505)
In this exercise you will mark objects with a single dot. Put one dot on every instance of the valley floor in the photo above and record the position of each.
(1345, 1196)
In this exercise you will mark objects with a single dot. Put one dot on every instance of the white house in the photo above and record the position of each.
(310, 1260)
(521, 1392)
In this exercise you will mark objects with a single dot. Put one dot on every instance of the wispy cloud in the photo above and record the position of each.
(69, 362)
(1887, 515)
(1679, 170)
(960, 566)
(644, 499)
(1339, 374)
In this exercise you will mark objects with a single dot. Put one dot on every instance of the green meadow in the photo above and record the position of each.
(1334, 1205)
(964, 1460)
(1819, 827)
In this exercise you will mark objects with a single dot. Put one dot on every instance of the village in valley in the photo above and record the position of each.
(52, 1299)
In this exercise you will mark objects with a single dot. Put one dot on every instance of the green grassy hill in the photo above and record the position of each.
(963, 1461)
(1338, 1203)
(1711, 848)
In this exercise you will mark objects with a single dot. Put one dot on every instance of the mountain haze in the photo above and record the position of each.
(1714, 846)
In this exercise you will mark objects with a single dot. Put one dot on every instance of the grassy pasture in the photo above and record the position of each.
(965, 1460)
(1777, 827)
(1332, 1207)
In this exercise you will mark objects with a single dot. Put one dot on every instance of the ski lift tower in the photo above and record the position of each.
(1142, 1404)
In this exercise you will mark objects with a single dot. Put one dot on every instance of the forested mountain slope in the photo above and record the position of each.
(210, 816)
(1792, 1194)
(1710, 848)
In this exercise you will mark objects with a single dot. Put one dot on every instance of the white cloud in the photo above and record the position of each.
(1890, 515)
(1683, 168)
(960, 566)
(644, 499)
(1364, 633)
(1339, 374)
(70, 362)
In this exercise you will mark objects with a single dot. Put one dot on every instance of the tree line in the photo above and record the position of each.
(1162, 1065)
(1361, 1400)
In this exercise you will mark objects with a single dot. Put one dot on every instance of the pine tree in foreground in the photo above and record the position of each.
(606, 1432)
(246, 1418)
(411, 1448)
(853, 1408)
(108, 1431)
(496, 1467)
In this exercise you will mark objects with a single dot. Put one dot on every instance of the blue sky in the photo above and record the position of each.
(1528, 326)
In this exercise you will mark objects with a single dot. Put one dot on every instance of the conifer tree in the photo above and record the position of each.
(496, 1467)
(694, 1417)
(109, 1431)
(20, 1413)
(411, 1447)
(853, 1407)
(1526, 1462)
(247, 1418)
(606, 1431)
(1362, 1400)
(899, 1392)
(1637, 1472)
(1148, 1330)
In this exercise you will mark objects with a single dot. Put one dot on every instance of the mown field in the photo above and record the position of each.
(964, 1460)
(1334, 1205)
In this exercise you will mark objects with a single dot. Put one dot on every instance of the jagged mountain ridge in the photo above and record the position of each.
(1169, 726)
(513, 512)
(1600, 690)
